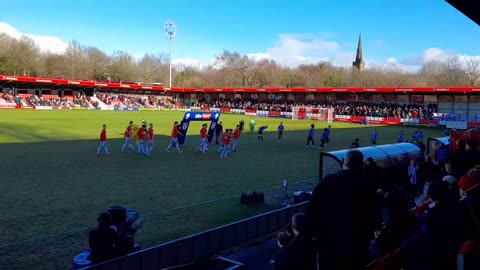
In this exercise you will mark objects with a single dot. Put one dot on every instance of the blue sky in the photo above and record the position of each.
(291, 32)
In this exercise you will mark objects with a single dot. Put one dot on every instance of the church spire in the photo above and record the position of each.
(359, 48)
(359, 63)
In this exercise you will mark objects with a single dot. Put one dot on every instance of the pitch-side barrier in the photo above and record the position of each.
(279, 114)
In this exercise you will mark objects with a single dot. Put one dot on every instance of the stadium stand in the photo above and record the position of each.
(409, 111)
(454, 107)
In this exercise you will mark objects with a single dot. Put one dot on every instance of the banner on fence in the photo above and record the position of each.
(409, 121)
(251, 112)
(7, 107)
(438, 119)
(44, 108)
(456, 124)
(375, 120)
(262, 113)
(425, 122)
(273, 114)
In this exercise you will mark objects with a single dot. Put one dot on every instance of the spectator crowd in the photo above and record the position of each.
(368, 217)
(80, 100)
(134, 101)
(408, 111)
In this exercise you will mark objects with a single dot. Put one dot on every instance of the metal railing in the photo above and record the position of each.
(205, 244)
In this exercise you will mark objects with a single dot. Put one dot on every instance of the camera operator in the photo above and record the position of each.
(114, 235)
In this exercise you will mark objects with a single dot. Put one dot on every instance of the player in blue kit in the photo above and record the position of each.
(374, 136)
(280, 131)
(324, 138)
(260, 132)
(401, 137)
(329, 131)
(311, 134)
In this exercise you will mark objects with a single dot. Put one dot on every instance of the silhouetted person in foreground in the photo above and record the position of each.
(103, 240)
(300, 253)
(343, 214)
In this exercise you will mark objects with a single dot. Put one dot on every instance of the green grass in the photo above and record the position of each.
(53, 186)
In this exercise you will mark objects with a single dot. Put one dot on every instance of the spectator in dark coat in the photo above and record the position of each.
(427, 172)
(375, 174)
(462, 158)
(398, 225)
(300, 253)
(103, 240)
(343, 213)
(218, 131)
(448, 226)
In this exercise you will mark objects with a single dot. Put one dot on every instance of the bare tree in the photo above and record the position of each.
(97, 63)
(153, 68)
(77, 62)
(292, 78)
(6, 51)
(230, 69)
(453, 73)
(265, 74)
(24, 55)
(239, 66)
(122, 67)
(332, 76)
(189, 77)
(56, 66)
(473, 71)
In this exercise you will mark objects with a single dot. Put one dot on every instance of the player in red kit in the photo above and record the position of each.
(128, 138)
(226, 143)
(149, 140)
(141, 138)
(236, 134)
(103, 141)
(174, 140)
(203, 139)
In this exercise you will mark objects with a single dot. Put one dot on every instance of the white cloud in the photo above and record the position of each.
(258, 56)
(45, 43)
(414, 63)
(186, 61)
(391, 60)
(295, 49)
(428, 55)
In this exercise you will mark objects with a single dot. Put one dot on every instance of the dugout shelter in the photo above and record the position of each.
(387, 156)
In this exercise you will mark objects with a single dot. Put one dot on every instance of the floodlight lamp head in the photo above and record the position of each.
(170, 30)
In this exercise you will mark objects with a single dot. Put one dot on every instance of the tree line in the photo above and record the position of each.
(22, 57)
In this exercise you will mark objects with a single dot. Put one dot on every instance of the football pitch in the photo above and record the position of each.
(53, 185)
